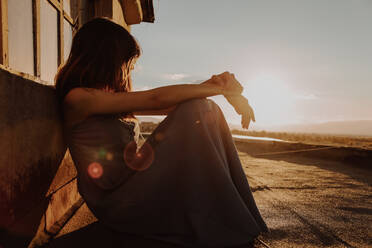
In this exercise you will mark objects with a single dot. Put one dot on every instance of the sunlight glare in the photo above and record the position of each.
(271, 98)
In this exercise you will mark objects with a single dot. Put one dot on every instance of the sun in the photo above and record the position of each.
(271, 98)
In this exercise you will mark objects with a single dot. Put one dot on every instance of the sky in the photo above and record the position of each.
(300, 61)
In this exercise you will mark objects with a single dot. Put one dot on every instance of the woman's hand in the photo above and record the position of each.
(227, 84)
(241, 106)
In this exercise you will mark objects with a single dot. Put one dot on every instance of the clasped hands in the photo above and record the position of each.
(232, 90)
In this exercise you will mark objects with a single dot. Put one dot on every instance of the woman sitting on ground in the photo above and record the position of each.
(185, 184)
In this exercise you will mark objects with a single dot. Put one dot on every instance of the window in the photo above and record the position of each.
(67, 29)
(70, 8)
(20, 36)
(36, 35)
(48, 41)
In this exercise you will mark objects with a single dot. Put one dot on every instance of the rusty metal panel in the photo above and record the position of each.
(32, 147)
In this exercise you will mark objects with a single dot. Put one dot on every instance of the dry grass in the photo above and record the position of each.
(148, 127)
(323, 139)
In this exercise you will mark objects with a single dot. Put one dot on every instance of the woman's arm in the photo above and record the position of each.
(82, 102)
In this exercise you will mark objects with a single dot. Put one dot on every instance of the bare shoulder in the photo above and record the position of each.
(83, 99)
(77, 95)
(75, 105)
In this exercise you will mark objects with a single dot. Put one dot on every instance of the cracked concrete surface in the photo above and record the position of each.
(311, 203)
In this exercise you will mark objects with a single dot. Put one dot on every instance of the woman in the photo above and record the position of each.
(185, 185)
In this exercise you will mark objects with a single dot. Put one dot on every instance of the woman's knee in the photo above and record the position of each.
(197, 111)
(196, 105)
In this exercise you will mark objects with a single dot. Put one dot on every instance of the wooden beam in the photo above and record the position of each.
(132, 11)
(103, 8)
(4, 51)
(68, 18)
(75, 9)
(56, 4)
(36, 31)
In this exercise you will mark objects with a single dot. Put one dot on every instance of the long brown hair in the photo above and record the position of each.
(102, 54)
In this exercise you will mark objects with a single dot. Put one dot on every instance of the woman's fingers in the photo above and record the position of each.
(217, 79)
(247, 117)
(246, 120)
(224, 77)
(251, 113)
(241, 106)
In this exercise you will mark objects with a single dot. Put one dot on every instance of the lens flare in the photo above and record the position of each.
(138, 160)
(109, 156)
(95, 170)
(101, 153)
(197, 122)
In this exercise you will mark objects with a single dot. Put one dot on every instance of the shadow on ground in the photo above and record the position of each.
(352, 162)
(96, 235)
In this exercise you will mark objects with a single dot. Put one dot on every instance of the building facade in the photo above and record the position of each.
(37, 177)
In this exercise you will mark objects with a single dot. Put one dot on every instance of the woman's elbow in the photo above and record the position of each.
(159, 102)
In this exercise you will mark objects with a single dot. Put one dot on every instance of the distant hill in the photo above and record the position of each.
(361, 127)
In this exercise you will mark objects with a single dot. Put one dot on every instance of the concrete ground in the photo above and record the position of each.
(305, 203)
(311, 203)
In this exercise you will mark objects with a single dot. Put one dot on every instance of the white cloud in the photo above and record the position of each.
(175, 76)
(182, 78)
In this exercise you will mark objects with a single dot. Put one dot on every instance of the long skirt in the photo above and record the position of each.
(192, 190)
